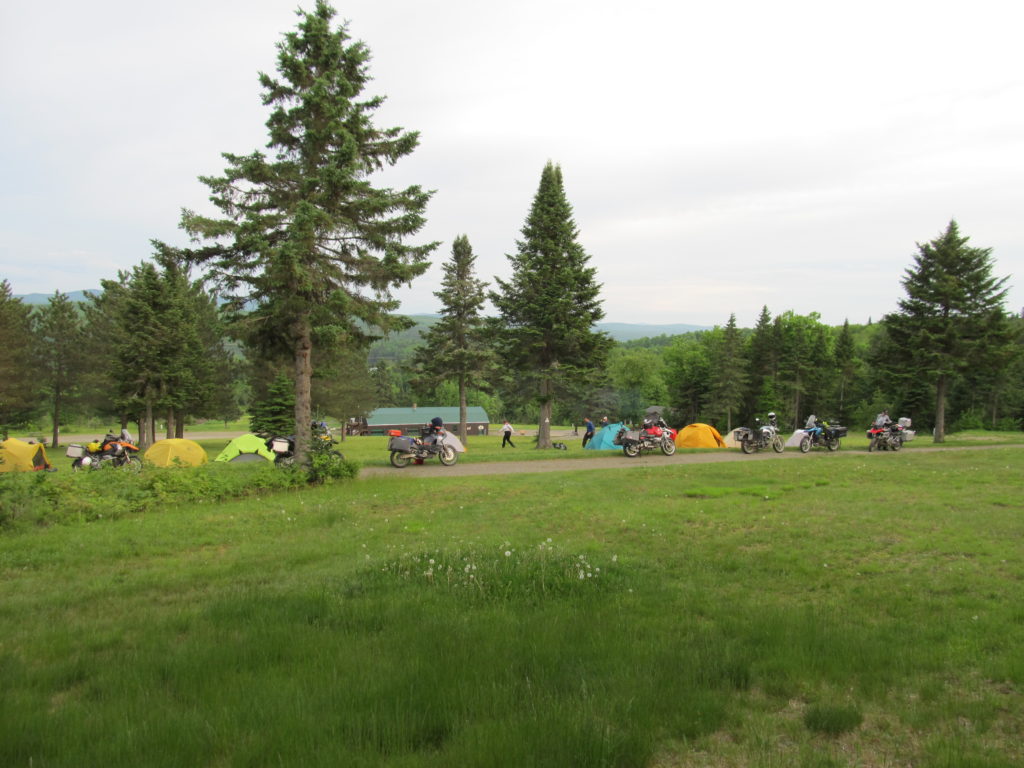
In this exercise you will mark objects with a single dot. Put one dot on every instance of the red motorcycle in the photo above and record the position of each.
(655, 434)
(887, 438)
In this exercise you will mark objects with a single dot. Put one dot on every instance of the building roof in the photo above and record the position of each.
(424, 413)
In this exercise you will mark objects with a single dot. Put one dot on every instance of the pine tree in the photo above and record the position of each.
(550, 304)
(845, 363)
(952, 317)
(17, 392)
(305, 236)
(728, 373)
(273, 415)
(457, 346)
(58, 334)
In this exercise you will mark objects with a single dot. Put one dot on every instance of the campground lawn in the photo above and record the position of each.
(836, 610)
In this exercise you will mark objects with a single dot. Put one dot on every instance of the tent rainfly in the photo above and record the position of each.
(19, 456)
(176, 452)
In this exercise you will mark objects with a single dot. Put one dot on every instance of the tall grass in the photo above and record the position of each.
(842, 610)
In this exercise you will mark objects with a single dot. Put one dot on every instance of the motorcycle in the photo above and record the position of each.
(111, 451)
(655, 434)
(824, 435)
(283, 448)
(405, 448)
(887, 438)
(759, 438)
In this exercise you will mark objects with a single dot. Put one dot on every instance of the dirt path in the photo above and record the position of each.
(607, 462)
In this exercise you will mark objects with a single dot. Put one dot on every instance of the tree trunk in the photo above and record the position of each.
(146, 433)
(56, 419)
(544, 427)
(170, 422)
(940, 410)
(302, 343)
(463, 431)
(179, 426)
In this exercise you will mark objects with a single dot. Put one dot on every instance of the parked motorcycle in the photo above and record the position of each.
(655, 434)
(283, 448)
(111, 451)
(759, 438)
(405, 448)
(823, 435)
(887, 438)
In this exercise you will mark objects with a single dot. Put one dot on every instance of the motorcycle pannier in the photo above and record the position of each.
(835, 431)
(404, 444)
(75, 451)
(279, 445)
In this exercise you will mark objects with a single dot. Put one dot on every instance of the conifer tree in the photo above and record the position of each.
(457, 347)
(728, 373)
(58, 334)
(952, 317)
(17, 391)
(845, 366)
(550, 304)
(304, 234)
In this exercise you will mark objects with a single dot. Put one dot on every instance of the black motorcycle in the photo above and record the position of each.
(322, 441)
(760, 438)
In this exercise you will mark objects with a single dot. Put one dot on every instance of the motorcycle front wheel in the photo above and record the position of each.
(631, 449)
(448, 456)
(871, 446)
(668, 446)
(399, 459)
(805, 445)
(777, 445)
(132, 463)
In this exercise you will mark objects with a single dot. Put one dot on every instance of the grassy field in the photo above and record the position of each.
(844, 610)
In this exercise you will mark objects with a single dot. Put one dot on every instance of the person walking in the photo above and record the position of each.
(506, 434)
(588, 430)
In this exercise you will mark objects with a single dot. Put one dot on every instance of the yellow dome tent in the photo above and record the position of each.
(19, 456)
(176, 452)
(699, 436)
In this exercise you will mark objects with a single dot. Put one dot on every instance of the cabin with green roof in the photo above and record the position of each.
(411, 420)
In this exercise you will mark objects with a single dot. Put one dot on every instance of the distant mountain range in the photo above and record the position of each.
(618, 331)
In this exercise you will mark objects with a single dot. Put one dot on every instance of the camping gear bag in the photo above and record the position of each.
(835, 432)
(401, 443)
(75, 451)
(279, 445)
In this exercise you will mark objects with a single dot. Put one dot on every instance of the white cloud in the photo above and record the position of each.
(744, 154)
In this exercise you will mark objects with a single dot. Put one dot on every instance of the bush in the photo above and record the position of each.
(47, 498)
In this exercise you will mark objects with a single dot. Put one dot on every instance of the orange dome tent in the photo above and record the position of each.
(699, 436)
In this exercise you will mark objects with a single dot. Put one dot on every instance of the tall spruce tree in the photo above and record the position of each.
(17, 390)
(845, 364)
(550, 304)
(58, 333)
(304, 234)
(457, 347)
(952, 318)
(729, 374)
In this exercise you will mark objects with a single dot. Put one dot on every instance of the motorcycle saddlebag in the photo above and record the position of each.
(835, 431)
(279, 445)
(631, 436)
(400, 443)
(75, 451)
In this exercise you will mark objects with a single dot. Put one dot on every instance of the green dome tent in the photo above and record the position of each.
(604, 440)
(246, 448)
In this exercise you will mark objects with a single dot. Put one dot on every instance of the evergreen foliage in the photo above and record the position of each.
(951, 321)
(17, 393)
(274, 414)
(57, 328)
(457, 346)
(304, 234)
(550, 304)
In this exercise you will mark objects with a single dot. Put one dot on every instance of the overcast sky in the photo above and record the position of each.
(719, 156)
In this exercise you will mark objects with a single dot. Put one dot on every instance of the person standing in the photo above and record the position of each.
(506, 434)
(588, 430)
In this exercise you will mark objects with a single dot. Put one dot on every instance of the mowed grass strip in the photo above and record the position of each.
(833, 611)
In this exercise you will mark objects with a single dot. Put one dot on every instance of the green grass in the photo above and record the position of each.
(840, 610)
